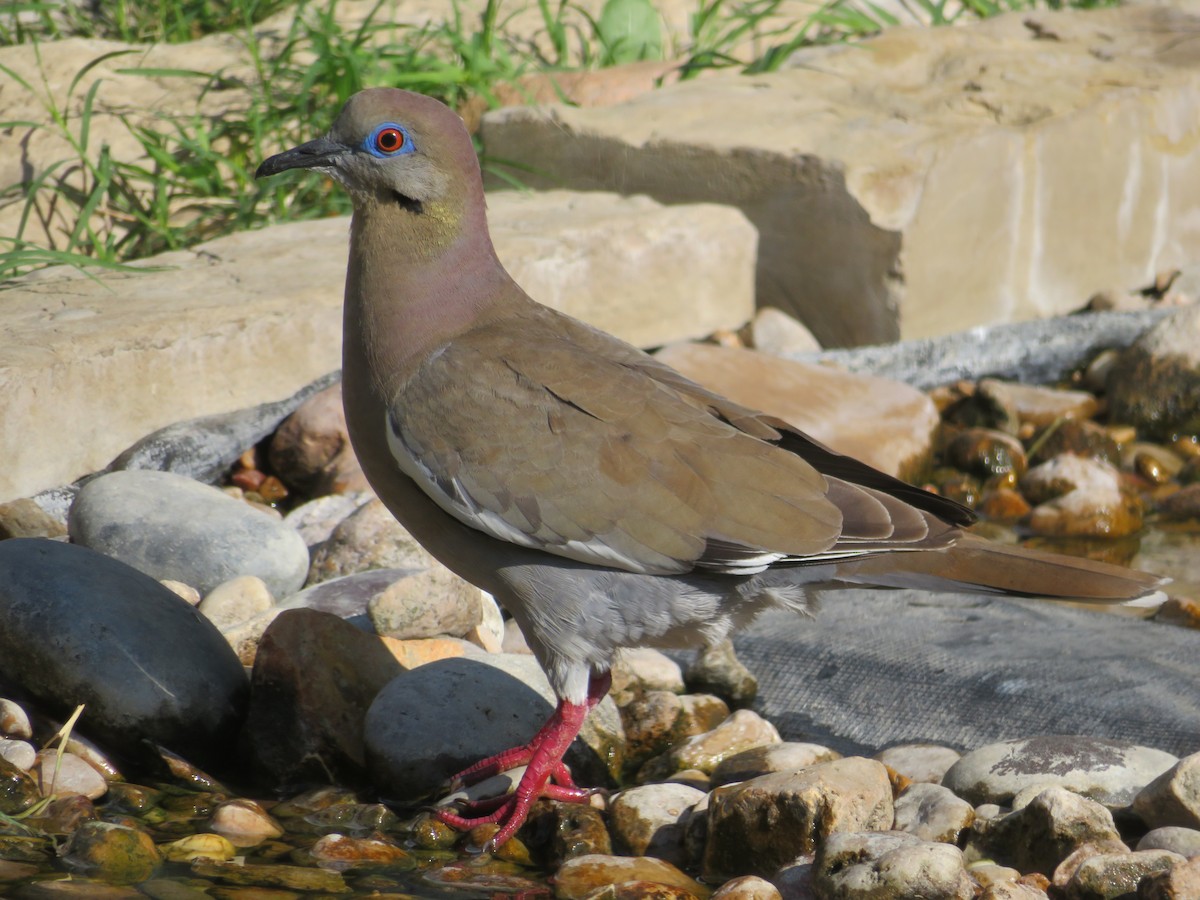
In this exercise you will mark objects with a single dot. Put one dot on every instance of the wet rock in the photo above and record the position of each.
(19, 753)
(640, 670)
(574, 830)
(478, 708)
(881, 865)
(742, 730)
(64, 814)
(82, 888)
(641, 890)
(169, 526)
(1111, 772)
(932, 813)
(244, 823)
(1080, 497)
(1036, 405)
(80, 627)
(1173, 798)
(14, 722)
(650, 724)
(1183, 504)
(311, 448)
(1075, 437)
(23, 518)
(67, 774)
(115, 853)
(649, 820)
(1003, 505)
(717, 670)
(199, 846)
(1107, 876)
(1181, 883)
(288, 878)
(789, 756)
(1053, 825)
(313, 680)
(747, 887)
(986, 453)
(756, 826)
(369, 538)
(578, 877)
(236, 600)
(426, 604)
(18, 789)
(1184, 841)
(1012, 890)
(919, 762)
(1155, 384)
(1180, 611)
(344, 852)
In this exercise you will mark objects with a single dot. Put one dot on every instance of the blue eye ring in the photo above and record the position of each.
(387, 140)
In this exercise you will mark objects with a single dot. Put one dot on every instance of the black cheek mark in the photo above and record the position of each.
(408, 203)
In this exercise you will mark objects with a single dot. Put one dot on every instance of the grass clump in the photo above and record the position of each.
(193, 178)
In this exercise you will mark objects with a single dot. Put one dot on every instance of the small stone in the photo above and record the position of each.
(236, 600)
(880, 865)
(1155, 463)
(919, 762)
(14, 722)
(115, 853)
(577, 829)
(24, 518)
(1080, 497)
(789, 756)
(1173, 798)
(717, 670)
(1003, 505)
(743, 730)
(650, 724)
(179, 589)
(432, 602)
(317, 519)
(643, 669)
(1037, 405)
(1180, 611)
(578, 877)
(648, 820)
(19, 753)
(18, 789)
(1183, 504)
(1155, 383)
(932, 813)
(640, 890)
(418, 652)
(1182, 882)
(369, 538)
(774, 331)
(144, 518)
(758, 825)
(204, 845)
(1184, 841)
(341, 850)
(288, 878)
(1111, 772)
(987, 873)
(488, 635)
(244, 823)
(67, 774)
(747, 887)
(1012, 890)
(1075, 437)
(985, 453)
(1065, 870)
(1111, 875)
(1044, 833)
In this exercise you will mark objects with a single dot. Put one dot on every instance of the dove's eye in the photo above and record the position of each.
(388, 140)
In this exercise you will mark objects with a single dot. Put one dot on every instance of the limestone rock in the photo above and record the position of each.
(882, 865)
(1173, 798)
(1041, 835)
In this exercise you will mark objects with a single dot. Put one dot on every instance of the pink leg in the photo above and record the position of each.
(543, 755)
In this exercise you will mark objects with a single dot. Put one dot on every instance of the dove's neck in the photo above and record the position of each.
(415, 280)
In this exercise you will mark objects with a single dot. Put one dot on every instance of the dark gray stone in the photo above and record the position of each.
(170, 526)
(430, 723)
(79, 627)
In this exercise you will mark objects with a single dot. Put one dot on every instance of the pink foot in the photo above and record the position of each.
(545, 775)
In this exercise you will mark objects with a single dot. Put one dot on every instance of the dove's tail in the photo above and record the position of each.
(974, 564)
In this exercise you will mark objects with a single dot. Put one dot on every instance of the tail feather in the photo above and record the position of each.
(975, 564)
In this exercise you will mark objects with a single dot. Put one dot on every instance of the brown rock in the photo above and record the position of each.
(1183, 504)
(1037, 405)
(1080, 497)
(1183, 611)
(790, 756)
(1039, 836)
(986, 453)
(313, 679)
(311, 448)
(1079, 437)
(1155, 384)
(24, 518)
(747, 887)
(1111, 875)
(1181, 883)
(1174, 797)
(115, 853)
(882, 422)
(578, 877)
(1003, 505)
(717, 670)
(758, 825)
(369, 538)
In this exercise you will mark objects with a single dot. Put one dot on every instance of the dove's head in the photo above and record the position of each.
(391, 147)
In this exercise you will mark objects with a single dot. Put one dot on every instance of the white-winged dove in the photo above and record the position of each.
(604, 499)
